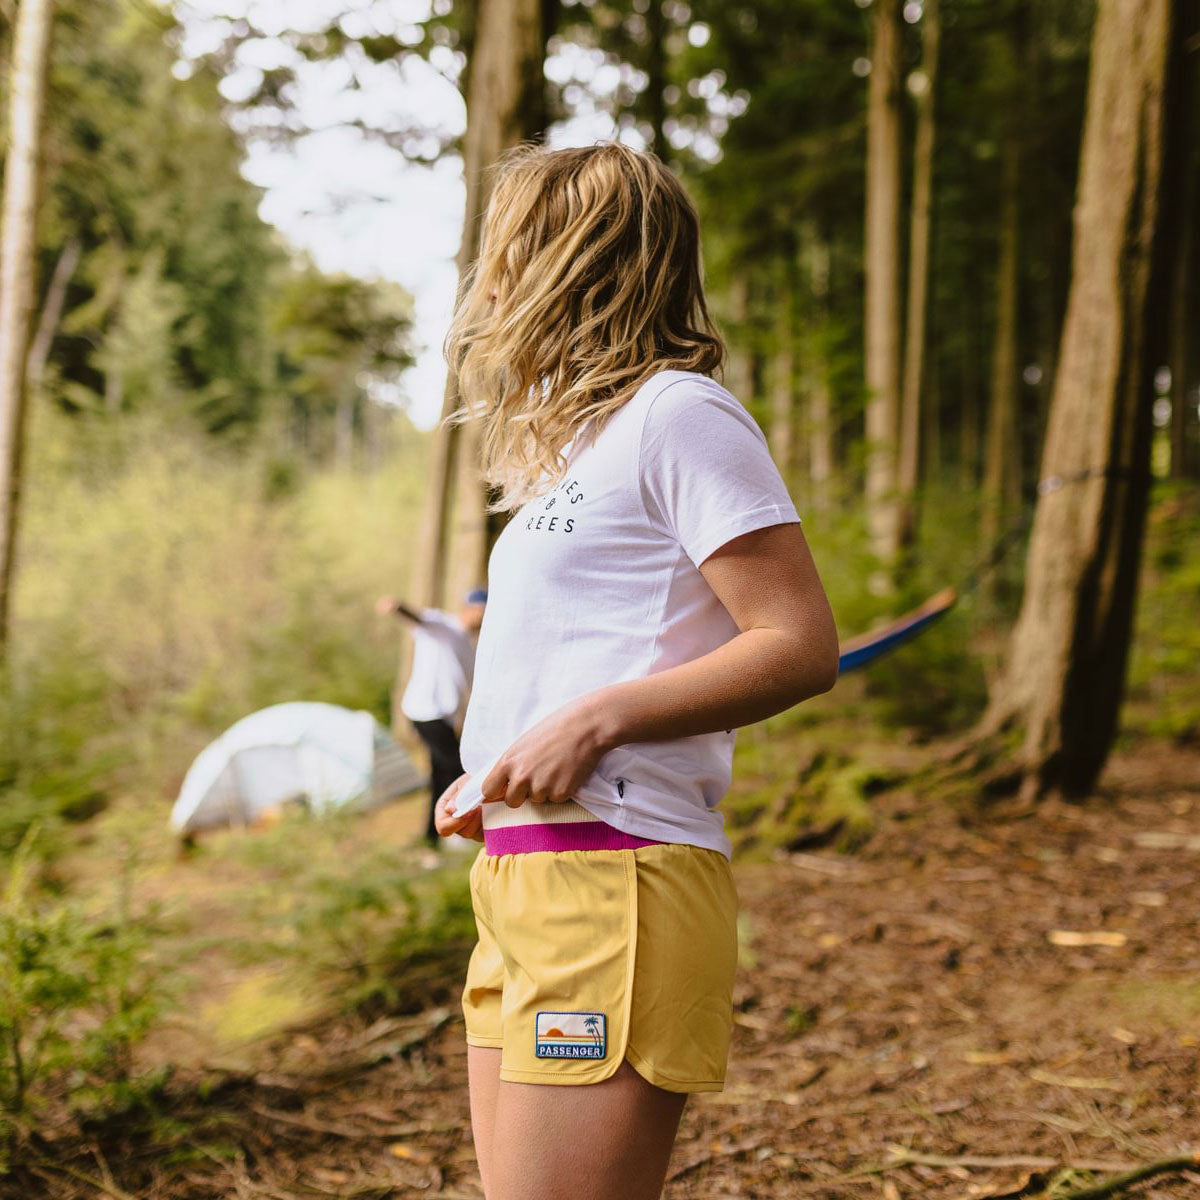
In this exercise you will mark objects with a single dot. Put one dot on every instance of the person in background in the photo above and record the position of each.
(442, 668)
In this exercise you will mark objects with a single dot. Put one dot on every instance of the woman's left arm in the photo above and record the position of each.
(785, 652)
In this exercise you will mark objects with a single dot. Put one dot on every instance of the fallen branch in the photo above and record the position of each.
(833, 867)
(45, 1166)
(351, 1131)
(903, 1157)
(1110, 1187)
(349, 1066)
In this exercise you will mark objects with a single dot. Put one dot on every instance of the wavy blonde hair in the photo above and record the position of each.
(587, 283)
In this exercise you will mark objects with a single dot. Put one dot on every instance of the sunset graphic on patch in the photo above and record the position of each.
(571, 1035)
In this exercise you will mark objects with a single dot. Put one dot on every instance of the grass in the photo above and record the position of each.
(1163, 688)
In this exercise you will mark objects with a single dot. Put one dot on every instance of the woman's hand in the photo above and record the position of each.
(447, 822)
(550, 762)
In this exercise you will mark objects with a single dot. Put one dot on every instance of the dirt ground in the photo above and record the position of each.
(981, 1003)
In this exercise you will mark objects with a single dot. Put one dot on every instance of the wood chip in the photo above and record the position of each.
(987, 1058)
(1163, 840)
(1091, 937)
(1075, 1081)
(409, 1153)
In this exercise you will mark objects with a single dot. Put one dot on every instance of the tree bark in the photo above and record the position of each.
(656, 74)
(974, 352)
(505, 106)
(931, 423)
(52, 308)
(18, 237)
(819, 417)
(739, 368)
(1065, 670)
(918, 273)
(782, 436)
(1002, 440)
(343, 430)
(1185, 453)
(882, 269)
(1002, 459)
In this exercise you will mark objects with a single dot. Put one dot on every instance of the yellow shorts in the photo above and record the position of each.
(589, 957)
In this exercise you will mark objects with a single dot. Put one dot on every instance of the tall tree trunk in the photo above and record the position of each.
(974, 387)
(1185, 453)
(505, 106)
(931, 423)
(918, 272)
(1002, 442)
(18, 239)
(1002, 461)
(782, 433)
(343, 430)
(739, 369)
(656, 75)
(882, 268)
(52, 308)
(375, 419)
(1065, 671)
(819, 417)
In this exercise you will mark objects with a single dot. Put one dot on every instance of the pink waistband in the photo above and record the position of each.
(566, 835)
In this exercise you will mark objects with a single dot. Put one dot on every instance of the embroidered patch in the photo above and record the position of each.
(571, 1035)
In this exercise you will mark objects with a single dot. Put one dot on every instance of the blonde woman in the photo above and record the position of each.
(652, 592)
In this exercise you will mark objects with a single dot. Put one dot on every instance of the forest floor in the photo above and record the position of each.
(984, 1001)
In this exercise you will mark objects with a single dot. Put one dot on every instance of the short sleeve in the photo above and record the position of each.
(439, 627)
(705, 472)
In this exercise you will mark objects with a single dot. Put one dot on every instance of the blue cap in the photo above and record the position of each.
(477, 596)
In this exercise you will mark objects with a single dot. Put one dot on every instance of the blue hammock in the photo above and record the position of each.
(865, 648)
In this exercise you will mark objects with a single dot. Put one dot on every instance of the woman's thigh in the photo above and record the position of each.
(483, 1076)
(597, 1141)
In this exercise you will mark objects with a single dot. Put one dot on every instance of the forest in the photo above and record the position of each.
(954, 249)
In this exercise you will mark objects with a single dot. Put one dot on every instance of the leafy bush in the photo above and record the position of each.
(53, 768)
(77, 992)
(1164, 669)
(162, 597)
(367, 921)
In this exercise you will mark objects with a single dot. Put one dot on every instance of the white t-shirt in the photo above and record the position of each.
(597, 582)
(443, 662)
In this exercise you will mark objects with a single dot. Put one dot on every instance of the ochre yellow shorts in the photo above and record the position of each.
(589, 957)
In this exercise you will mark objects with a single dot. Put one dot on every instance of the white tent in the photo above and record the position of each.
(318, 755)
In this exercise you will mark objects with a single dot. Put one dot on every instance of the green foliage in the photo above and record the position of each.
(1164, 682)
(77, 993)
(386, 935)
(167, 309)
(370, 926)
(809, 797)
(162, 597)
(175, 306)
(51, 767)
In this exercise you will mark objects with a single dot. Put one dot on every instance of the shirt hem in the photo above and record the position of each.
(642, 825)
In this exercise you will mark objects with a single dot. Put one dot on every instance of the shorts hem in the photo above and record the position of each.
(549, 1077)
(668, 1083)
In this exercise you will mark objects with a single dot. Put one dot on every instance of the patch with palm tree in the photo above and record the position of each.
(571, 1035)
